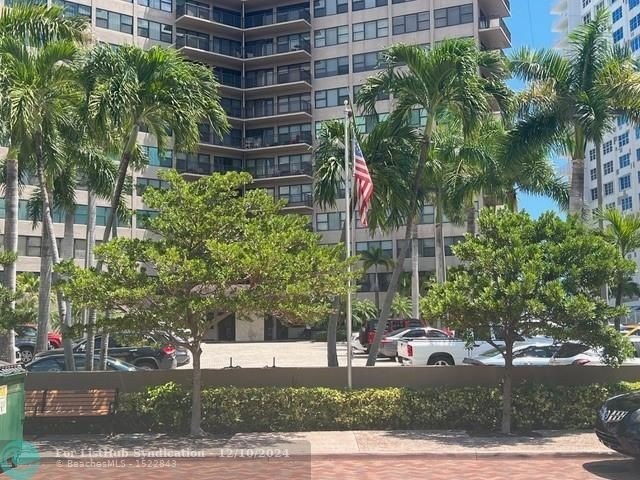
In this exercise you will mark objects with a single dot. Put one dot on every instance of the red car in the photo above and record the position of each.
(368, 332)
(26, 341)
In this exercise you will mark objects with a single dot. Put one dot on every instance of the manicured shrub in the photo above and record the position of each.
(166, 408)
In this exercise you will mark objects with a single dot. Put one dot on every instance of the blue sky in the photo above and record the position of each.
(530, 24)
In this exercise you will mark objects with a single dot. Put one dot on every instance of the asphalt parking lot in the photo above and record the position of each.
(284, 354)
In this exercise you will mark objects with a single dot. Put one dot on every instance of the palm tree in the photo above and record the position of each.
(443, 80)
(388, 149)
(376, 258)
(623, 231)
(34, 27)
(575, 96)
(156, 89)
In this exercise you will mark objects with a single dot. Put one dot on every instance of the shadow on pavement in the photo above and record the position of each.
(623, 469)
(472, 440)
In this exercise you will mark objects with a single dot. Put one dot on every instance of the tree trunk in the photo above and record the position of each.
(377, 290)
(104, 350)
(11, 196)
(47, 222)
(441, 262)
(576, 193)
(195, 429)
(402, 254)
(415, 274)
(123, 169)
(599, 185)
(67, 254)
(507, 387)
(88, 263)
(44, 294)
(619, 294)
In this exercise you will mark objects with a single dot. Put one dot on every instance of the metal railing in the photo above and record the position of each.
(295, 200)
(278, 140)
(210, 14)
(282, 171)
(280, 78)
(266, 49)
(208, 45)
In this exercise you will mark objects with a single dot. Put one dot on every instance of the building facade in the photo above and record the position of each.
(284, 66)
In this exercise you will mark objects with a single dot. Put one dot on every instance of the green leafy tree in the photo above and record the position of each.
(623, 231)
(376, 258)
(401, 307)
(218, 251)
(36, 43)
(529, 277)
(442, 80)
(576, 96)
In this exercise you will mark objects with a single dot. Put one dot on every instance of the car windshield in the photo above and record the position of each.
(491, 353)
(397, 332)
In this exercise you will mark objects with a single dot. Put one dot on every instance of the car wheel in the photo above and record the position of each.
(440, 361)
(147, 366)
(26, 354)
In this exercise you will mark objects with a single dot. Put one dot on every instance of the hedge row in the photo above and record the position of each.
(228, 409)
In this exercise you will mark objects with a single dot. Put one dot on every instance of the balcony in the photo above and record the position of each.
(280, 83)
(282, 140)
(293, 111)
(495, 8)
(230, 140)
(208, 50)
(192, 16)
(291, 21)
(281, 171)
(494, 33)
(269, 53)
(302, 201)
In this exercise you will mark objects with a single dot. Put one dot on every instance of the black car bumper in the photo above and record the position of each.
(622, 436)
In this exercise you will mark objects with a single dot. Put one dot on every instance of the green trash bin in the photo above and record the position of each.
(11, 411)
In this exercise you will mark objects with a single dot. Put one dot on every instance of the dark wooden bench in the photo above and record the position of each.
(70, 403)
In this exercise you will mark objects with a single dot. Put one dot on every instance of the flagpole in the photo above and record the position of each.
(347, 224)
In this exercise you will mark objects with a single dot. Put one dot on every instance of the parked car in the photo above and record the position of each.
(453, 351)
(618, 424)
(142, 351)
(575, 353)
(389, 343)
(534, 355)
(368, 332)
(26, 337)
(55, 363)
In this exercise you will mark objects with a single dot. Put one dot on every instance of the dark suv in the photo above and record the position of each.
(618, 424)
(142, 351)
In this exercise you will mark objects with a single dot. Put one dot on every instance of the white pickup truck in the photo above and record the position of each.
(451, 351)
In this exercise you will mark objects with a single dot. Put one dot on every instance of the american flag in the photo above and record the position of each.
(364, 184)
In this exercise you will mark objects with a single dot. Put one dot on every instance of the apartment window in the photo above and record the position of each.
(73, 9)
(594, 194)
(616, 15)
(624, 182)
(164, 5)
(592, 154)
(158, 158)
(381, 96)
(418, 117)
(329, 221)
(331, 98)
(155, 31)
(623, 139)
(626, 204)
(608, 167)
(450, 242)
(608, 188)
(617, 35)
(370, 30)
(366, 123)
(586, 3)
(327, 37)
(633, 4)
(324, 8)
(294, 164)
(364, 62)
(295, 193)
(625, 160)
(414, 22)
(607, 147)
(29, 246)
(395, 2)
(294, 103)
(446, 17)
(634, 22)
(114, 21)
(79, 248)
(593, 173)
(586, 18)
(331, 67)
(427, 216)
(385, 245)
(294, 133)
(143, 217)
(143, 183)
(365, 4)
(622, 120)
(635, 43)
